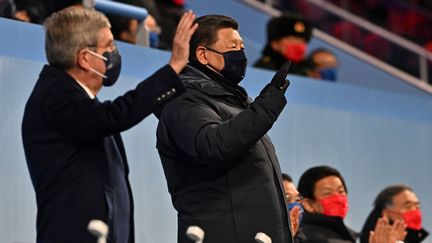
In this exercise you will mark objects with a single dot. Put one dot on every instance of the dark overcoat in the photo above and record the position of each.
(76, 157)
(221, 167)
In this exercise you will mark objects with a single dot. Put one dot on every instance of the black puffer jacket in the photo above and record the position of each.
(221, 167)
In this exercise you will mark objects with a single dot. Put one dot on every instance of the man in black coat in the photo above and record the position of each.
(221, 168)
(326, 205)
(72, 142)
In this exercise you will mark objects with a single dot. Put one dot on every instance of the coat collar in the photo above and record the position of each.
(197, 76)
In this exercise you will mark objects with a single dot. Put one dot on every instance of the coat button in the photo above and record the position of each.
(168, 93)
(163, 96)
(173, 90)
(159, 99)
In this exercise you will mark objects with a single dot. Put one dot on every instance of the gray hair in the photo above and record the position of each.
(385, 197)
(69, 31)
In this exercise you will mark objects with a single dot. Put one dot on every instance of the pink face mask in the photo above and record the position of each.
(335, 205)
(413, 219)
(295, 52)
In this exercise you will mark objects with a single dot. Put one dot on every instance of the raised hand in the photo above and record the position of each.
(294, 215)
(279, 79)
(180, 49)
(386, 233)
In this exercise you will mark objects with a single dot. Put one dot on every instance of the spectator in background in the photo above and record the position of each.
(126, 29)
(287, 38)
(31, 11)
(326, 205)
(169, 14)
(294, 203)
(397, 202)
(323, 64)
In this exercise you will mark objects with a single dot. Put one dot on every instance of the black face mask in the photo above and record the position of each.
(235, 65)
(113, 66)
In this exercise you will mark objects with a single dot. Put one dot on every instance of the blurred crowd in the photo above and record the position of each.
(409, 19)
(160, 24)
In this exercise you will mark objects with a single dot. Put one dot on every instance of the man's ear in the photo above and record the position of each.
(308, 205)
(201, 55)
(82, 60)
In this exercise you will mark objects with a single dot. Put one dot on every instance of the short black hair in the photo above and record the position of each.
(385, 197)
(311, 176)
(286, 177)
(208, 27)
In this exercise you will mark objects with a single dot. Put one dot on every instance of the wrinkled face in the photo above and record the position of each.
(402, 202)
(327, 186)
(228, 39)
(291, 193)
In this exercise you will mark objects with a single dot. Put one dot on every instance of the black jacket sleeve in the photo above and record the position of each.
(81, 119)
(201, 133)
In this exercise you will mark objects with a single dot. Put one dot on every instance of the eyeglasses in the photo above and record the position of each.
(111, 44)
(290, 199)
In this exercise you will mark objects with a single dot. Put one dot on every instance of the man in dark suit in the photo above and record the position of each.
(221, 167)
(72, 142)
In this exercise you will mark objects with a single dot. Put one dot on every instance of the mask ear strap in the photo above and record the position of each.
(97, 55)
(98, 73)
(213, 50)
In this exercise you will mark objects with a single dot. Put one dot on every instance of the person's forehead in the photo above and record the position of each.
(228, 34)
(328, 182)
(106, 36)
(405, 196)
(292, 39)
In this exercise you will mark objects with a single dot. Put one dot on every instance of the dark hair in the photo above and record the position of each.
(286, 177)
(208, 27)
(310, 177)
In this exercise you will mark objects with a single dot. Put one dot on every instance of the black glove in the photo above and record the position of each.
(279, 79)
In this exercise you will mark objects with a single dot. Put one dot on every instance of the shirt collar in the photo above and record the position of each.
(87, 90)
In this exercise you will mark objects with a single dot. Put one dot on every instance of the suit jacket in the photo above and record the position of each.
(76, 157)
(221, 167)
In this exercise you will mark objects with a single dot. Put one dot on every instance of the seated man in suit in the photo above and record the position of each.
(221, 167)
(72, 142)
